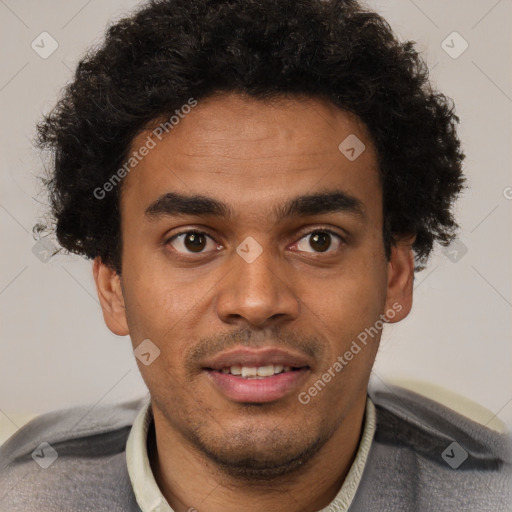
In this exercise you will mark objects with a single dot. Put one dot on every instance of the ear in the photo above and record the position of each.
(400, 279)
(108, 286)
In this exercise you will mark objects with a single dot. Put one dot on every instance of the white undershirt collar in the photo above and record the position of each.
(150, 498)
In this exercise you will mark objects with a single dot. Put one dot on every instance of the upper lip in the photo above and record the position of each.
(255, 358)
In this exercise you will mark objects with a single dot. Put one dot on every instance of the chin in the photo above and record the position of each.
(251, 454)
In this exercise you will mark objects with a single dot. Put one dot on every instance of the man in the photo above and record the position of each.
(256, 182)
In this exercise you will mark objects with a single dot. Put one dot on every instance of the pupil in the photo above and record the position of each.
(194, 242)
(322, 241)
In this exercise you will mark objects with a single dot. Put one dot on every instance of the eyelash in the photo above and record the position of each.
(303, 235)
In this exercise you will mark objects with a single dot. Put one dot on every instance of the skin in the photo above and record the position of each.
(254, 155)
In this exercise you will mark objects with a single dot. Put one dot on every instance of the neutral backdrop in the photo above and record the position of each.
(55, 348)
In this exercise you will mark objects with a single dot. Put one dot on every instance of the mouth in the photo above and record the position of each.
(256, 372)
(257, 376)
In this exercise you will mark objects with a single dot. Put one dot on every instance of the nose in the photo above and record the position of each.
(257, 293)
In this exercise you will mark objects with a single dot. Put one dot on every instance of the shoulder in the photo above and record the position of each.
(67, 427)
(55, 460)
(427, 456)
(413, 420)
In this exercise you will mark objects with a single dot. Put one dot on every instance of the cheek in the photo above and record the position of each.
(162, 294)
(167, 312)
(155, 312)
(345, 305)
(153, 309)
(353, 293)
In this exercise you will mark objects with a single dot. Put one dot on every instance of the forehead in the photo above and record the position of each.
(248, 152)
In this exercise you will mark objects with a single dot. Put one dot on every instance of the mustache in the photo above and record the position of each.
(210, 346)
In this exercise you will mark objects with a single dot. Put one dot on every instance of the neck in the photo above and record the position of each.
(189, 480)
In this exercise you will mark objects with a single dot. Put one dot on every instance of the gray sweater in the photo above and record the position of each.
(424, 457)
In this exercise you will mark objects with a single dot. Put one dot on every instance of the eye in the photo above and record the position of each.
(191, 242)
(319, 241)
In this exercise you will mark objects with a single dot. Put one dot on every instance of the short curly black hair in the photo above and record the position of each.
(169, 51)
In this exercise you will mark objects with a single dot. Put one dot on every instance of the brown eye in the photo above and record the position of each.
(195, 242)
(189, 242)
(319, 241)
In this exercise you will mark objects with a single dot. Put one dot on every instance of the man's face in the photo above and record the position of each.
(257, 284)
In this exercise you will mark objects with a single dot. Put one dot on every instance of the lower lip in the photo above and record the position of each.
(269, 389)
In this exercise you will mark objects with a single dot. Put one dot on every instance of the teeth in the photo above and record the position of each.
(265, 371)
(235, 370)
(247, 371)
(253, 372)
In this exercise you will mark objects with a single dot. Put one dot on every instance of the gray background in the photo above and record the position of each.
(55, 349)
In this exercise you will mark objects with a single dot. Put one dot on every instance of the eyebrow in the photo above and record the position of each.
(332, 201)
